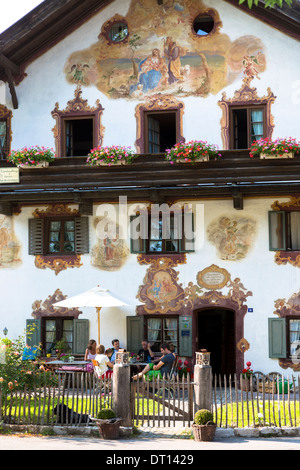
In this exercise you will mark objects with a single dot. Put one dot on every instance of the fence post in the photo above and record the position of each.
(203, 381)
(122, 389)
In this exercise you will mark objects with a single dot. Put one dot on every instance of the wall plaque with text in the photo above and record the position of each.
(9, 175)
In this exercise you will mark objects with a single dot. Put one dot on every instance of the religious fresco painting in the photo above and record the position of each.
(9, 245)
(161, 48)
(110, 251)
(233, 237)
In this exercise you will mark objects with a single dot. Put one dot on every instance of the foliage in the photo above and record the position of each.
(191, 151)
(203, 417)
(182, 368)
(62, 346)
(16, 373)
(31, 155)
(246, 374)
(268, 3)
(110, 155)
(106, 413)
(277, 147)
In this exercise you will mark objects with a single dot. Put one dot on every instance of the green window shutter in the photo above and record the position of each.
(185, 336)
(277, 230)
(277, 337)
(35, 236)
(80, 336)
(33, 332)
(135, 333)
(138, 225)
(81, 235)
(187, 241)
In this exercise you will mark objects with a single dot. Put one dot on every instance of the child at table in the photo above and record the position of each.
(103, 362)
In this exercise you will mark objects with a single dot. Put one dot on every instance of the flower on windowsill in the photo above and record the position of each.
(246, 374)
(277, 147)
(31, 156)
(193, 151)
(113, 155)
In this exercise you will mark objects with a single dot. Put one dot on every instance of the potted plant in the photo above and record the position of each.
(114, 155)
(204, 428)
(246, 375)
(31, 157)
(279, 148)
(61, 347)
(193, 151)
(108, 424)
(183, 369)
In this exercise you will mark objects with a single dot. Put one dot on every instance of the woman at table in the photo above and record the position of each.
(90, 352)
(103, 362)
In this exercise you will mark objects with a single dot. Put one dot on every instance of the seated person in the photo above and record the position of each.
(103, 361)
(109, 353)
(146, 354)
(116, 346)
(164, 366)
(90, 352)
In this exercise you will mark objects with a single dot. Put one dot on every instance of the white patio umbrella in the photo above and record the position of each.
(97, 298)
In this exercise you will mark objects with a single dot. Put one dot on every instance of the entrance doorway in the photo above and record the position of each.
(216, 333)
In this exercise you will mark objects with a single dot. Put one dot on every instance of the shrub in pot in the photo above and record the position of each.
(204, 427)
(108, 424)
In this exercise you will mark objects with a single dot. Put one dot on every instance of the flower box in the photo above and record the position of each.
(192, 152)
(204, 158)
(32, 157)
(28, 166)
(267, 156)
(119, 162)
(279, 148)
(110, 156)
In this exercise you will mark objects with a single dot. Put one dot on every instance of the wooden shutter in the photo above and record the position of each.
(187, 244)
(135, 333)
(80, 336)
(81, 235)
(36, 236)
(138, 245)
(33, 332)
(185, 336)
(277, 337)
(277, 230)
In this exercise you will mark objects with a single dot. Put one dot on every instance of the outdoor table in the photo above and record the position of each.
(68, 366)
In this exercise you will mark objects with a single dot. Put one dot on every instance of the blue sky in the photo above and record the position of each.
(13, 10)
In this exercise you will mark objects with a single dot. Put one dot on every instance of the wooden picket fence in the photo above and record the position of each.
(76, 396)
(265, 400)
(163, 401)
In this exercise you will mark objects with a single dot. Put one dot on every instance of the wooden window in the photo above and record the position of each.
(47, 330)
(55, 329)
(247, 125)
(284, 230)
(160, 131)
(162, 233)
(162, 330)
(78, 136)
(58, 236)
(284, 338)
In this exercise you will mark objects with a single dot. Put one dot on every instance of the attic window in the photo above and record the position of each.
(118, 32)
(203, 25)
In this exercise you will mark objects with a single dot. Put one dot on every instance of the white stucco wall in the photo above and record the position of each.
(32, 124)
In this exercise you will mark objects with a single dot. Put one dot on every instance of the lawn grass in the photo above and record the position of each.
(243, 414)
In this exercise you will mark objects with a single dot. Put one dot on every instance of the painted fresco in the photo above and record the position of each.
(233, 237)
(163, 54)
(111, 250)
(9, 245)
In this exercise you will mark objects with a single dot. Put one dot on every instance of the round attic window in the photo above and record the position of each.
(203, 25)
(118, 32)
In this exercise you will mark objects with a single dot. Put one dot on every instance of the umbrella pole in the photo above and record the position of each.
(98, 311)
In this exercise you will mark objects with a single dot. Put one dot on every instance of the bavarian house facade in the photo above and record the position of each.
(147, 74)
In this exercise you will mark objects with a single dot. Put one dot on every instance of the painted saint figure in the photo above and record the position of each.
(172, 52)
